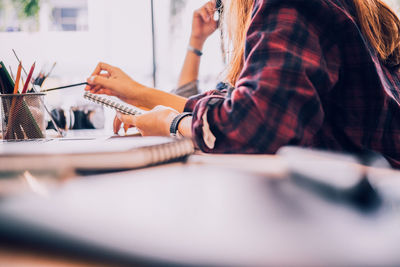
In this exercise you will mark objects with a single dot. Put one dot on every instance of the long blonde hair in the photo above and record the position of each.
(236, 17)
(381, 27)
(378, 23)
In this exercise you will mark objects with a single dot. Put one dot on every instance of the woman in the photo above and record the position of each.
(315, 73)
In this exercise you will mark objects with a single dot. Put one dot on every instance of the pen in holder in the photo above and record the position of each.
(22, 116)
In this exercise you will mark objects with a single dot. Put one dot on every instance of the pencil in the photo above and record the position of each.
(64, 87)
(16, 86)
(28, 79)
(51, 70)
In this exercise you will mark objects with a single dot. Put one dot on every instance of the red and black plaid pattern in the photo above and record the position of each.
(310, 79)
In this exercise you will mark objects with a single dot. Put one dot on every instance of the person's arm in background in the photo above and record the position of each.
(203, 26)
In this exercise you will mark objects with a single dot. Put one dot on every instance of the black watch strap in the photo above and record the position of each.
(173, 129)
(194, 50)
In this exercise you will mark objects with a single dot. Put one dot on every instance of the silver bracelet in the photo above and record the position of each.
(194, 50)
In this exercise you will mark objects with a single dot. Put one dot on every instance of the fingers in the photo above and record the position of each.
(99, 80)
(116, 125)
(94, 89)
(204, 15)
(212, 11)
(98, 87)
(210, 6)
(206, 12)
(103, 91)
(127, 119)
(106, 75)
(103, 66)
(126, 127)
(119, 119)
(97, 72)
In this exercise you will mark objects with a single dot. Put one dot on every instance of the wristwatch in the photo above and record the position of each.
(173, 129)
(194, 50)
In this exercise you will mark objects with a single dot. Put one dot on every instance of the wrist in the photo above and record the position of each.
(133, 91)
(197, 52)
(185, 126)
(168, 122)
(145, 97)
(175, 129)
(197, 43)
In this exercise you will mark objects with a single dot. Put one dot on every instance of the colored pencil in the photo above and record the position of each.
(16, 86)
(51, 70)
(28, 79)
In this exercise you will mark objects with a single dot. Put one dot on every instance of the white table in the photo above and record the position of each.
(223, 210)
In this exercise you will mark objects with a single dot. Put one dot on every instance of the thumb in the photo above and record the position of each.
(99, 80)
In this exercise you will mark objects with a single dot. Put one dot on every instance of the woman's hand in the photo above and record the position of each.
(153, 123)
(203, 24)
(110, 80)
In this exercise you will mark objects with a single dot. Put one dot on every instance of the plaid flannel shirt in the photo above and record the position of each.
(310, 79)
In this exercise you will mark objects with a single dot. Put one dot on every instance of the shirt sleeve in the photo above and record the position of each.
(276, 100)
(187, 90)
(192, 101)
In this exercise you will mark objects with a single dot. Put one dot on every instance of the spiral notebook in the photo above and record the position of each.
(115, 153)
(114, 103)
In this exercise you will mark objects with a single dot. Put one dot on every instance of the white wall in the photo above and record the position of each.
(119, 33)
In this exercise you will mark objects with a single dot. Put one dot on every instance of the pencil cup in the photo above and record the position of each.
(22, 116)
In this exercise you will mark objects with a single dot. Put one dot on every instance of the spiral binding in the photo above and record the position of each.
(174, 151)
(111, 104)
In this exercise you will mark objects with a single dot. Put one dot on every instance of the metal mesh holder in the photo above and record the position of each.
(22, 116)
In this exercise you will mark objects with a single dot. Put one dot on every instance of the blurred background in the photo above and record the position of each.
(77, 34)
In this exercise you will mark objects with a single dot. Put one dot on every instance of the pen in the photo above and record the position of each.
(64, 87)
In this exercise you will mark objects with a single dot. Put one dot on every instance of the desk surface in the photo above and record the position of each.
(206, 214)
(214, 209)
